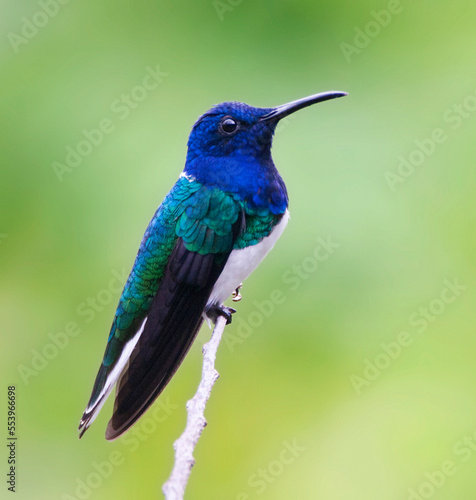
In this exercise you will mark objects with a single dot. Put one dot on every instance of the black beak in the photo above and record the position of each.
(286, 109)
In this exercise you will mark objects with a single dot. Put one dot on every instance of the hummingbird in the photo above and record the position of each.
(220, 219)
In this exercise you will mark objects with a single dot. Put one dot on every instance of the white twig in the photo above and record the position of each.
(174, 487)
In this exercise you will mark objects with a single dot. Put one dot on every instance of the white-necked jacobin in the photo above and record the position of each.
(224, 214)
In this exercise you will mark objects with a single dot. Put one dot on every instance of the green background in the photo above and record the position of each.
(305, 374)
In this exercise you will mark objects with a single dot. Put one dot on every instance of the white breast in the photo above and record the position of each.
(241, 263)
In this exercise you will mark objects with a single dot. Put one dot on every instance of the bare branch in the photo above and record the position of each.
(174, 487)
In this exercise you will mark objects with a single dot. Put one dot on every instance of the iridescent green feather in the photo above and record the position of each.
(258, 226)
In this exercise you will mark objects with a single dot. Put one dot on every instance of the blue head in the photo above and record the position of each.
(230, 148)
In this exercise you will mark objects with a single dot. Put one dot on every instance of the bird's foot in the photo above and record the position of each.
(236, 295)
(222, 310)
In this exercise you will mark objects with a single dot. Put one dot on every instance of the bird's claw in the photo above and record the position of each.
(224, 311)
(236, 295)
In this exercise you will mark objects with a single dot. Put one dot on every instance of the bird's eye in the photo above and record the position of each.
(228, 126)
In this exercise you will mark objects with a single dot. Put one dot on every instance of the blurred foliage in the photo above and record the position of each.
(400, 230)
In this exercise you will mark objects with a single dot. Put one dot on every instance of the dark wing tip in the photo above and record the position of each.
(113, 433)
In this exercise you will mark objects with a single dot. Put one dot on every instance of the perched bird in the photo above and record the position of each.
(223, 215)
